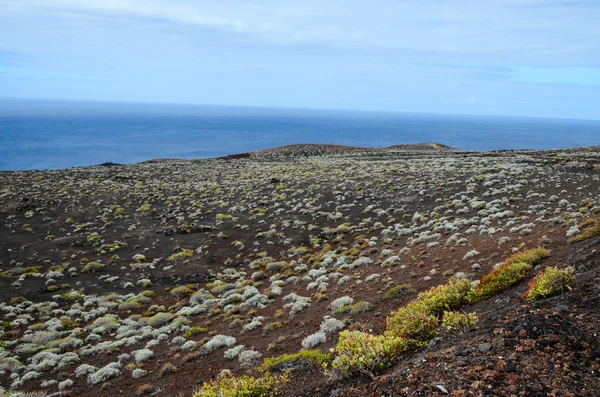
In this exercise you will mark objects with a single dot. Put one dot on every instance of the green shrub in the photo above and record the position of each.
(359, 352)
(182, 291)
(509, 273)
(446, 297)
(590, 232)
(92, 267)
(458, 323)
(31, 270)
(272, 327)
(302, 358)
(275, 266)
(552, 281)
(356, 308)
(181, 255)
(413, 323)
(244, 386)
(129, 305)
(194, 331)
(500, 279)
(532, 257)
(160, 319)
(399, 291)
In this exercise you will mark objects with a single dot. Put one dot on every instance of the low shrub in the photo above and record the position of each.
(458, 323)
(194, 331)
(588, 233)
(160, 319)
(413, 323)
(446, 297)
(500, 279)
(315, 339)
(356, 308)
(509, 273)
(551, 281)
(144, 389)
(532, 257)
(182, 291)
(92, 267)
(167, 369)
(246, 386)
(294, 360)
(181, 255)
(399, 291)
(359, 352)
(272, 327)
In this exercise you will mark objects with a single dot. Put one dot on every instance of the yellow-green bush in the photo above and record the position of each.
(182, 291)
(457, 323)
(359, 352)
(194, 331)
(509, 273)
(303, 357)
(587, 233)
(531, 257)
(551, 281)
(358, 307)
(446, 297)
(412, 322)
(244, 386)
(500, 279)
(181, 255)
(399, 291)
(92, 267)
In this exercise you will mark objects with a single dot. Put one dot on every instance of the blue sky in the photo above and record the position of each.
(512, 57)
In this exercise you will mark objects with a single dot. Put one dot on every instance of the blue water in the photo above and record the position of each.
(36, 134)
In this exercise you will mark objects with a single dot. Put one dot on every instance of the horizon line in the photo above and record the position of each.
(290, 108)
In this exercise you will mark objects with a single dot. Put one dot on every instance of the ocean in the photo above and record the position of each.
(44, 134)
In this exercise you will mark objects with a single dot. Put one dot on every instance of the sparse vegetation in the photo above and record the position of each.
(399, 291)
(508, 273)
(455, 322)
(227, 386)
(586, 234)
(550, 281)
(290, 361)
(359, 352)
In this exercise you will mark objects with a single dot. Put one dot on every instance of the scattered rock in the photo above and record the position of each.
(485, 347)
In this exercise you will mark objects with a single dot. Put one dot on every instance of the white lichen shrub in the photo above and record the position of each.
(248, 358)
(391, 261)
(313, 340)
(219, 341)
(341, 302)
(232, 353)
(65, 384)
(296, 303)
(109, 371)
(178, 340)
(471, 254)
(189, 345)
(138, 373)
(255, 302)
(373, 277)
(252, 325)
(142, 355)
(331, 325)
(85, 369)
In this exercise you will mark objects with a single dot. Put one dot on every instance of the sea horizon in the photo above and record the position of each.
(57, 133)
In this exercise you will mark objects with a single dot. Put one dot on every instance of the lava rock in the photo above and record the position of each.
(485, 347)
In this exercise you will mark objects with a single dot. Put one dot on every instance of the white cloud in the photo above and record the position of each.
(542, 31)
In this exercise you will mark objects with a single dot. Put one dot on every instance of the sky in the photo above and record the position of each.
(512, 57)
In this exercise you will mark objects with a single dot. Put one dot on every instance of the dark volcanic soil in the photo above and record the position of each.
(91, 258)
